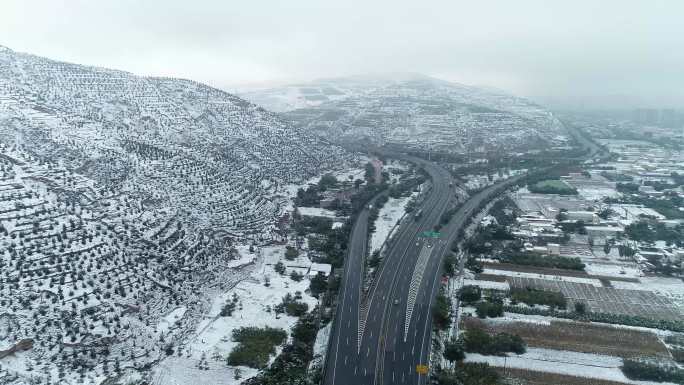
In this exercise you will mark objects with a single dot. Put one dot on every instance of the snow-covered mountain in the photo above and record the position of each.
(195, 149)
(413, 110)
(120, 200)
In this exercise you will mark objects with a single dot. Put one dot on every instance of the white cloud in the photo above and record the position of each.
(567, 50)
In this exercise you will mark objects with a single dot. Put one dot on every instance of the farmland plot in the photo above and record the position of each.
(578, 337)
(608, 300)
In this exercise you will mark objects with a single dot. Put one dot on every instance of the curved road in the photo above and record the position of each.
(380, 339)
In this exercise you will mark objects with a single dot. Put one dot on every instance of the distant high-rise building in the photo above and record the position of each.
(647, 116)
(666, 117)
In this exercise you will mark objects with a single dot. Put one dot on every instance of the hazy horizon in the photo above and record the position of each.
(614, 54)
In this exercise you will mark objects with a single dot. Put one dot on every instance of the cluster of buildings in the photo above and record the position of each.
(662, 117)
(582, 225)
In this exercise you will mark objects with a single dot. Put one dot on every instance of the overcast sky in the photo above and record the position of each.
(591, 53)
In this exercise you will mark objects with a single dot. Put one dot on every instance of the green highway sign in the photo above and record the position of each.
(431, 234)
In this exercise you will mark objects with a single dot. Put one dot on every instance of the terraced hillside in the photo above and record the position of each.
(120, 200)
(203, 152)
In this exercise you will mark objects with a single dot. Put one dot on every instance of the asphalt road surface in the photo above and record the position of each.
(382, 338)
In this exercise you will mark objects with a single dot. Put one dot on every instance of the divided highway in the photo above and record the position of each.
(344, 333)
(380, 339)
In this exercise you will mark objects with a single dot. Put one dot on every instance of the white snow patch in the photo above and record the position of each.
(672, 288)
(320, 346)
(212, 337)
(613, 270)
(507, 273)
(183, 371)
(658, 285)
(316, 212)
(527, 318)
(487, 284)
(545, 320)
(170, 319)
(246, 257)
(389, 215)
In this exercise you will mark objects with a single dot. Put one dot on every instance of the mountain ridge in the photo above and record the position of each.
(416, 111)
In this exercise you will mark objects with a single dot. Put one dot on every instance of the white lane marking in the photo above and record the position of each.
(416, 279)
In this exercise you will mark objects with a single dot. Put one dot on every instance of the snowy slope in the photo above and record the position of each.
(168, 140)
(121, 199)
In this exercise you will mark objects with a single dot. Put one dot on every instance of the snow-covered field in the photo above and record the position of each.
(659, 285)
(672, 288)
(170, 319)
(245, 258)
(507, 273)
(527, 318)
(176, 370)
(545, 320)
(563, 362)
(627, 270)
(487, 284)
(211, 341)
(390, 214)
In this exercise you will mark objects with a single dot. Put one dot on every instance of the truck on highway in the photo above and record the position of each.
(418, 214)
